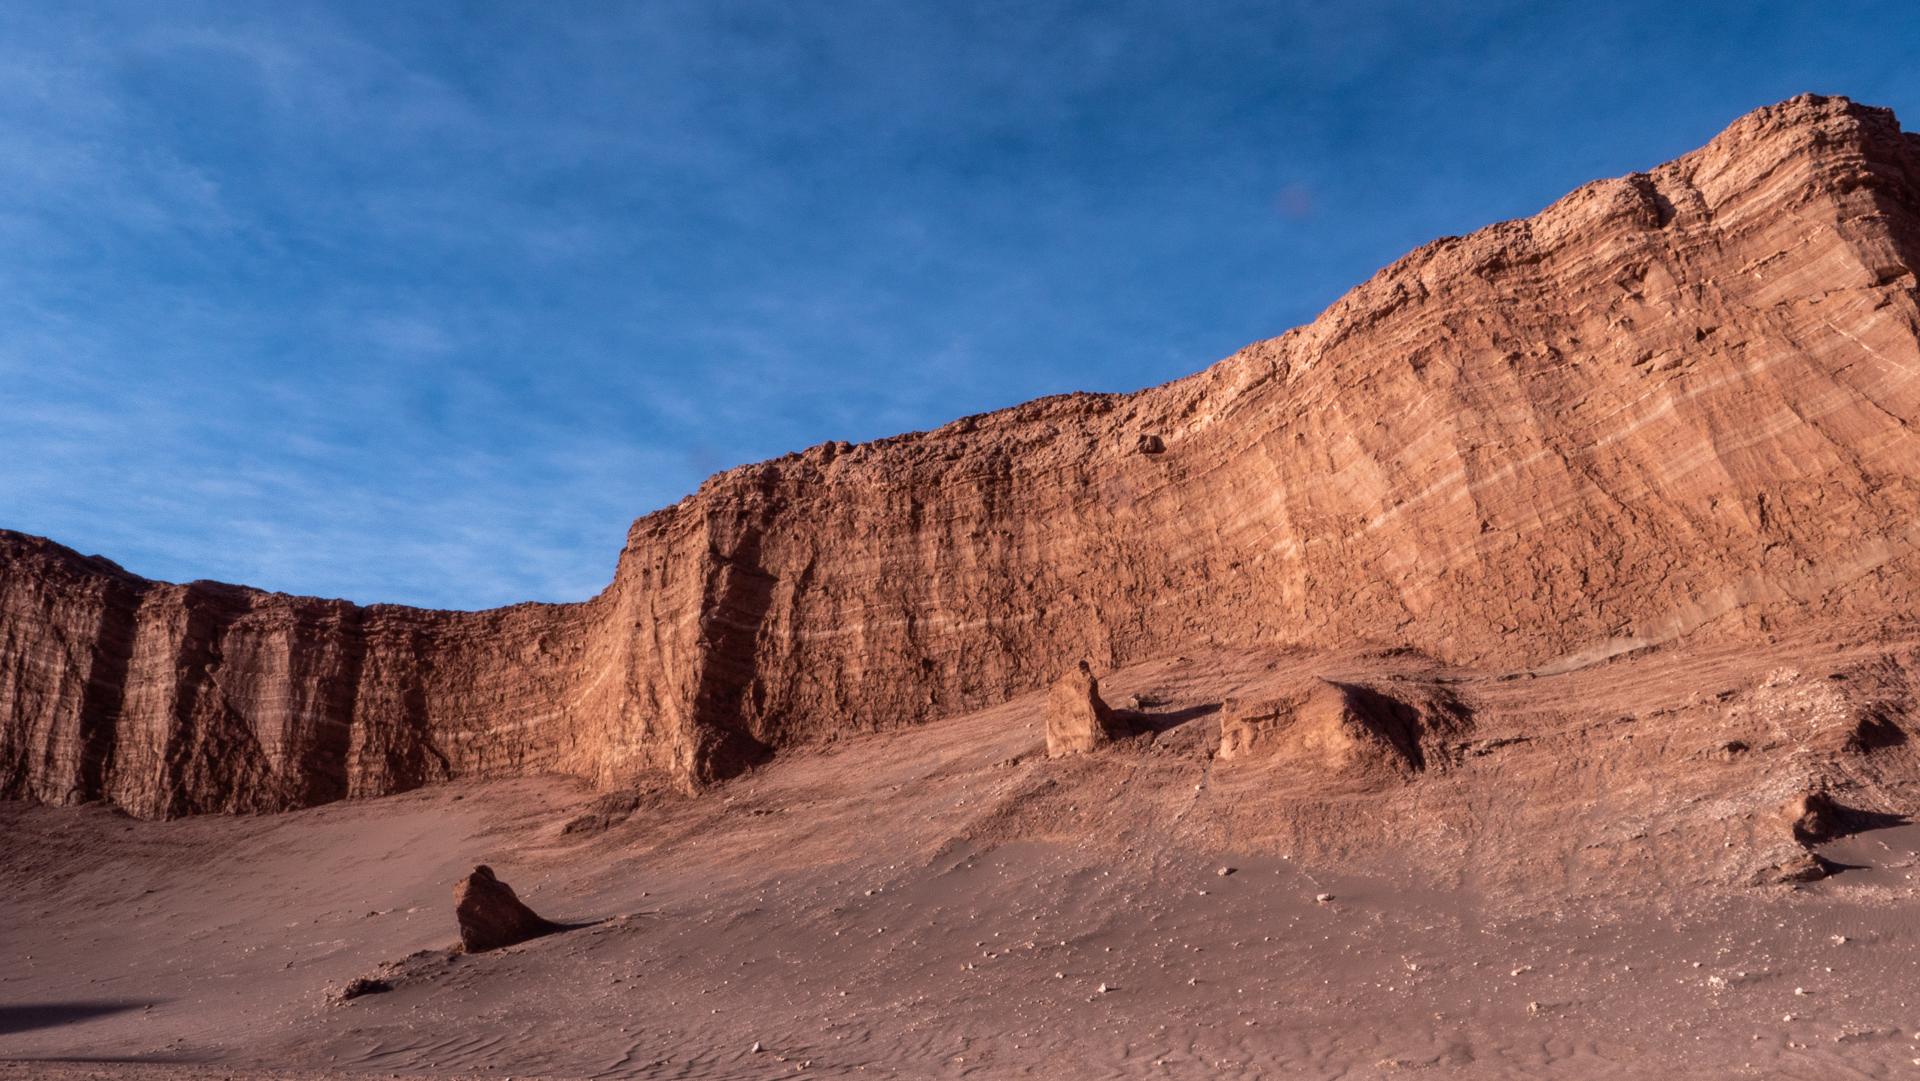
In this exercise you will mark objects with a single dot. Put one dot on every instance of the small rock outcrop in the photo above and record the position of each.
(1078, 720)
(1341, 727)
(491, 915)
(360, 987)
(1814, 818)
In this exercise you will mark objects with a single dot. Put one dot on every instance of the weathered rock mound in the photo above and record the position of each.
(1341, 727)
(491, 915)
(1679, 403)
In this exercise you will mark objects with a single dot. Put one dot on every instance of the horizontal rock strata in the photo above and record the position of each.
(1676, 403)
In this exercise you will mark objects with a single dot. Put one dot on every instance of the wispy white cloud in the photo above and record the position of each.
(421, 303)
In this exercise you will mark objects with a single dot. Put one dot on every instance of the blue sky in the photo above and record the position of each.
(426, 302)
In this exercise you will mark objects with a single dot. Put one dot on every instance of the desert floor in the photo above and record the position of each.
(948, 903)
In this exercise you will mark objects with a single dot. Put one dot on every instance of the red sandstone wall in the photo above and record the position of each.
(1678, 403)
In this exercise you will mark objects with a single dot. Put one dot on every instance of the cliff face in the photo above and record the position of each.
(170, 699)
(1677, 403)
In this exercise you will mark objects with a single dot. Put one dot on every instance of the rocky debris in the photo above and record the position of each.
(1819, 817)
(1078, 720)
(363, 985)
(1856, 712)
(1439, 457)
(1801, 867)
(491, 915)
(1813, 818)
(1343, 727)
(418, 967)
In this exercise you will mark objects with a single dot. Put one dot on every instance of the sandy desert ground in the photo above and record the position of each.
(948, 902)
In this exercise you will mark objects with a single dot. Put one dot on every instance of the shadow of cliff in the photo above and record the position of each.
(174, 1059)
(727, 693)
(105, 692)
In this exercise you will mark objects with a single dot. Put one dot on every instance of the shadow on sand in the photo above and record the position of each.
(1146, 721)
(38, 1015)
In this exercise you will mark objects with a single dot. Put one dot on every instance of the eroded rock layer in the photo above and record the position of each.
(1676, 403)
(1078, 720)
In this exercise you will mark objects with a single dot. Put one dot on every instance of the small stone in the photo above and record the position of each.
(1225, 871)
(755, 1049)
(1323, 898)
(1104, 989)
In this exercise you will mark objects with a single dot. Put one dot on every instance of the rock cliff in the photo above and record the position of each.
(1678, 403)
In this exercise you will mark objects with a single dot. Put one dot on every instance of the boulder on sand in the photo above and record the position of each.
(491, 915)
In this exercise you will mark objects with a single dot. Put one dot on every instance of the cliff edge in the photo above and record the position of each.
(1677, 404)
